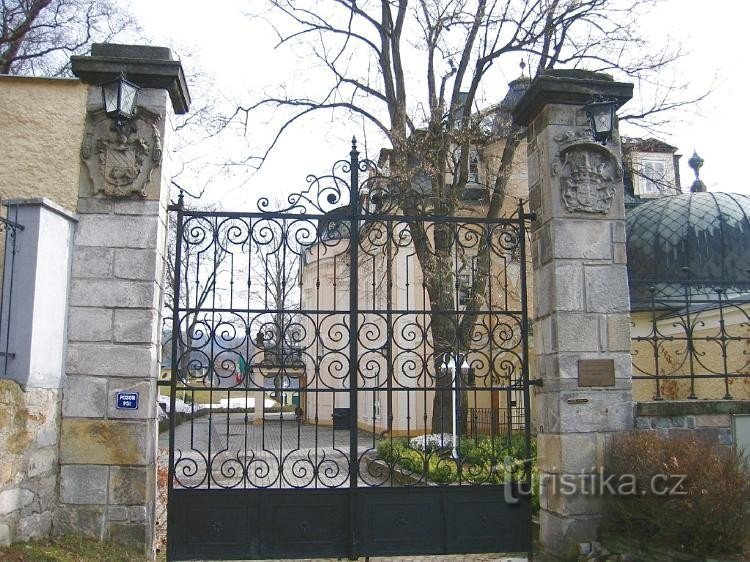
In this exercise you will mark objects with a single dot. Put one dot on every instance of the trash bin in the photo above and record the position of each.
(341, 418)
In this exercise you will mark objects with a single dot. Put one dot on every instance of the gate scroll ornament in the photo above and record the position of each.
(120, 159)
(588, 173)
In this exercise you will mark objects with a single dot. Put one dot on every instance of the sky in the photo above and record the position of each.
(231, 58)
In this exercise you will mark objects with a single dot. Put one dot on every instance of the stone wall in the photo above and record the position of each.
(41, 124)
(29, 426)
(86, 298)
(703, 419)
(31, 379)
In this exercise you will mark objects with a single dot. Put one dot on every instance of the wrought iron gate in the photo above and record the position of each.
(330, 358)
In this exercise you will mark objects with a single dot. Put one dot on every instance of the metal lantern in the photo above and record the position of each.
(601, 115)
(120, 98)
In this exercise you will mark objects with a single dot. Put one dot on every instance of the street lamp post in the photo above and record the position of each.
(451, 363)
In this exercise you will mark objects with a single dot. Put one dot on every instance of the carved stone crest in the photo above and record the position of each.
(121, 158)
(588, 171)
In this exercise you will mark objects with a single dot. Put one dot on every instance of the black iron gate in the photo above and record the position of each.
(329, 359)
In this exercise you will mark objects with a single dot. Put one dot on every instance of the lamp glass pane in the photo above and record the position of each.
(109, 93)
(602, 117)
(127, 101)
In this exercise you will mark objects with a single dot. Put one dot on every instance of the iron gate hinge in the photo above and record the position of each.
(529, 216)
(536, 382)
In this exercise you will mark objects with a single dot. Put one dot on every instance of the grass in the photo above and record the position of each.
(68, 549)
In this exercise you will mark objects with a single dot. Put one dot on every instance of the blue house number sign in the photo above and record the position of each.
(127, 400)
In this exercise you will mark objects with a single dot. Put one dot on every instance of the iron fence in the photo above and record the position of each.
(691, 338)
(9, 228)
(481, 422)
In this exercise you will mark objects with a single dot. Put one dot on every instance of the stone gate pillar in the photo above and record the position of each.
(581, 300)
(108, 446)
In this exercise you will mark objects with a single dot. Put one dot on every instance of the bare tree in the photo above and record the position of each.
(39, 36)
(200, 281)
(363, 54)
(209, 269)
(274, 281)
(273, 286)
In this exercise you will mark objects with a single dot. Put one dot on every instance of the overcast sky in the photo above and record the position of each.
(238, 61)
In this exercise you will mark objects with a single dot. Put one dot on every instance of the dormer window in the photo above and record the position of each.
(473, 167)
(464, 289)
(465, 282)
(651, 170)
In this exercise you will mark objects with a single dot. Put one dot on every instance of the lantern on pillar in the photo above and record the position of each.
(120, 97)
(601, 115)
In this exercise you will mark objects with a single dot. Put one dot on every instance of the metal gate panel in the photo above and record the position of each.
(398, 523)
(444, 520)
(235, 524)
(202, 524)
(304, 523)
(480, 520)
(386, 412)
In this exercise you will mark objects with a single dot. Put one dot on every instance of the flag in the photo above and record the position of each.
(243, 369)
(243, 365)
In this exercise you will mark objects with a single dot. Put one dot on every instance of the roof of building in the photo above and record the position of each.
(503, 112)
(696, 237)
(649, 144)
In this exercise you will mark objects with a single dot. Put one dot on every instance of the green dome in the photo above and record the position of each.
(702, 238)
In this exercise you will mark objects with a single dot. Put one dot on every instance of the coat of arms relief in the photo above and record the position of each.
(120, 158)
(588, 172)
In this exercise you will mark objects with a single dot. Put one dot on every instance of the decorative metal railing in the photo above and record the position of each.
(493, 422)
(8, 228)
(691, 338)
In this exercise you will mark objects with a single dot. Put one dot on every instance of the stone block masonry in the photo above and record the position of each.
(710, 420)
(29, 425)
(108, 453)
(86, 303)
(580, 294)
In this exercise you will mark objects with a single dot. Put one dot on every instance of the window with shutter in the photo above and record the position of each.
(654, 177)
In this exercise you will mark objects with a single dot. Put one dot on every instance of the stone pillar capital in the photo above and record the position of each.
(146, 66)
(568, 87)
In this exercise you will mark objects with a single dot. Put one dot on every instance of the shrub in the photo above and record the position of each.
(710, 516)
(481, 460)
(390, 450)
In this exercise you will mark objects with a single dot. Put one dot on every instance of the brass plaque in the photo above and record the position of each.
(596, 372)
